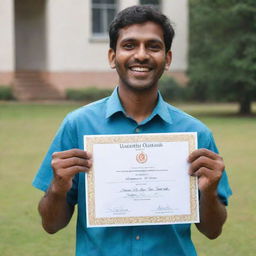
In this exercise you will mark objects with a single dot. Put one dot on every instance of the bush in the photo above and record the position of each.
(6, 93)
(171, 90)
(87, 94)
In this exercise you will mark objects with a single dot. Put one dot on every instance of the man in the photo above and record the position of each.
(140, 41)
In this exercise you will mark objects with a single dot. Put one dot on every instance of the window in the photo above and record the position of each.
(103, 12)
(154, 3)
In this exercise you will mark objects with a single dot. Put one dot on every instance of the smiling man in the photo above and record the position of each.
(140, 41)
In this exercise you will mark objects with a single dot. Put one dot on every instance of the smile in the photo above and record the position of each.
(140, 69)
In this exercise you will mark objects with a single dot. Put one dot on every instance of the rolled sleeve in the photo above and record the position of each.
(63, 140)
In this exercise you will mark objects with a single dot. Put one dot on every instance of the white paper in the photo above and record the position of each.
(141, 179)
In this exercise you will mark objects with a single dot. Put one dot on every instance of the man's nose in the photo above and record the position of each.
(141, 54)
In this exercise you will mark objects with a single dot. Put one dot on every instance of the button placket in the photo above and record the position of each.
(137, 241)
(137, 130)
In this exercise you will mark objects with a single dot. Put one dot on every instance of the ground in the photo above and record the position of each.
(25, 134)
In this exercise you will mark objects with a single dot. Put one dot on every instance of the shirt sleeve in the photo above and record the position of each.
(64, 139)
(224, 190)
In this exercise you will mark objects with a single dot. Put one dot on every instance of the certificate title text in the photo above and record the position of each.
(140, 145)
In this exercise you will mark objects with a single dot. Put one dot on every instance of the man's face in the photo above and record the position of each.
(140, 56)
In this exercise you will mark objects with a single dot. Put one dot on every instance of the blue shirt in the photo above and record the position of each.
(107, 116)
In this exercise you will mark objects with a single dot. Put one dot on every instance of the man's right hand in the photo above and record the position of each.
(66, 165)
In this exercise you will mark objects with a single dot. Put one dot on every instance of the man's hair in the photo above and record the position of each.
(139, 14)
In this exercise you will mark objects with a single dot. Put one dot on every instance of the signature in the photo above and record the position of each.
(165, 207)
(144, 189)
(118, 210)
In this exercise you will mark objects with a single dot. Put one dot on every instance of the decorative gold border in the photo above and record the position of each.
(114, 139)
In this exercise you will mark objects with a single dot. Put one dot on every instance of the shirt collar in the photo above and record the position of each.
(161, 109)
(114, 105)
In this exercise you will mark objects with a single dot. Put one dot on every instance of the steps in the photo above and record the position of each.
(31, 85)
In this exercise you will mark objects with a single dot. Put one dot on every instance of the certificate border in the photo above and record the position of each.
(93, 221)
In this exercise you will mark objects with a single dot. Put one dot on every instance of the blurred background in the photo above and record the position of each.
(53, 59)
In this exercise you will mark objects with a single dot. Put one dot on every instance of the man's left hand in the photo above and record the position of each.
(208, 167)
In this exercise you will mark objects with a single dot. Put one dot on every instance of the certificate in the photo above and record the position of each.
(140, 180)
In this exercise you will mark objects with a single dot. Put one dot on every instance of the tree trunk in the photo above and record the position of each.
(245, 105)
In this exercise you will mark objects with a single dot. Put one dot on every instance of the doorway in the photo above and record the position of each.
(30, 35)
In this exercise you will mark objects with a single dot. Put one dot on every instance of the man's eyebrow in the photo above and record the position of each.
(129, 39)
(156, 41)
(132, 39)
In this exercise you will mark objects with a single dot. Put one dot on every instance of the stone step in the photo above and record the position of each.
(30, 85)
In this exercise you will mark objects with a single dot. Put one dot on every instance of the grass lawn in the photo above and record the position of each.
(25, 134)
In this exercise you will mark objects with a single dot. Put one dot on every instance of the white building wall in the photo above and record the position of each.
(69, 44)
(6, 36)
(177, 11)
(72, 48)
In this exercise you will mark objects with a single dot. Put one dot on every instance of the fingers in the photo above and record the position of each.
(72, 153)
(203, 162)
(59, 163)
(208, 167)
(204, 158)
(70, 167)
(68, 173)
(211, 174)
(66, 165)
(202, 152)
(70, 162)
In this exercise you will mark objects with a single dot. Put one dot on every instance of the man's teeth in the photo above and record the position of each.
(140, 69)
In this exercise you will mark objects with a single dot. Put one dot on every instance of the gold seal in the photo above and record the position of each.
(141, 158)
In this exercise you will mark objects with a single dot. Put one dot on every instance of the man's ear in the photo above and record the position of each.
(168, 60)
(111, 58)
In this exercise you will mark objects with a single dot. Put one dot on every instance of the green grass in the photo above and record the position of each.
(25, 134)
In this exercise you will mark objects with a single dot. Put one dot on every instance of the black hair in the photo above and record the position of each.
(139, 14)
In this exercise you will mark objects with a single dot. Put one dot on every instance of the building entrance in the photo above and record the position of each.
(30, 35)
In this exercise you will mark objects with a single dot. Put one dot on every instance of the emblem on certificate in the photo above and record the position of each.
(140, 180)
(141, 158)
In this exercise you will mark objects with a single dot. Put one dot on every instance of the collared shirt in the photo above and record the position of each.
(107, 116)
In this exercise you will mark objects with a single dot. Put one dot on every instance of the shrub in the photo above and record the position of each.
(171, 90)
(87, 94)
(6, 93)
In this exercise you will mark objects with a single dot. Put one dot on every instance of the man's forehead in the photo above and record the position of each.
(148, 30)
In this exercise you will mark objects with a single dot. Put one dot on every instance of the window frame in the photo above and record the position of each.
(159, 6)
(103, 7)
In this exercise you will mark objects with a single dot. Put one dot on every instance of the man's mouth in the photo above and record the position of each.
(140, 69)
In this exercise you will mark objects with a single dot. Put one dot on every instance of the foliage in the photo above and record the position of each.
(6, 93)
(222, 51)
(87, 94)
(171, 90)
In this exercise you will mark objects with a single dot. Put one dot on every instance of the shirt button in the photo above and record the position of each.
(137, 237)
(137, 130)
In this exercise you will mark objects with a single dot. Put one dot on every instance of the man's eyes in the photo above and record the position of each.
(128, 46)
(151, 47)
(155, 47)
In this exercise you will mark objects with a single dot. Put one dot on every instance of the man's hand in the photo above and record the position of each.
(208, 167)
(66, 165)
(53, 207)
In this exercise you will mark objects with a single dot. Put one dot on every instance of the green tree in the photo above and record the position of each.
(223, 51)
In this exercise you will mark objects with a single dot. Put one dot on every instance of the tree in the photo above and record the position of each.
(222, 54)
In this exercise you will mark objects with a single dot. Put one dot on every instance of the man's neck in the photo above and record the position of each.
(138, 105)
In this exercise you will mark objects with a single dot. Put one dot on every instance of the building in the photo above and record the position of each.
(47, 46)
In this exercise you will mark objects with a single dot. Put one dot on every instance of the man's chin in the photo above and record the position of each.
(141, 86)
